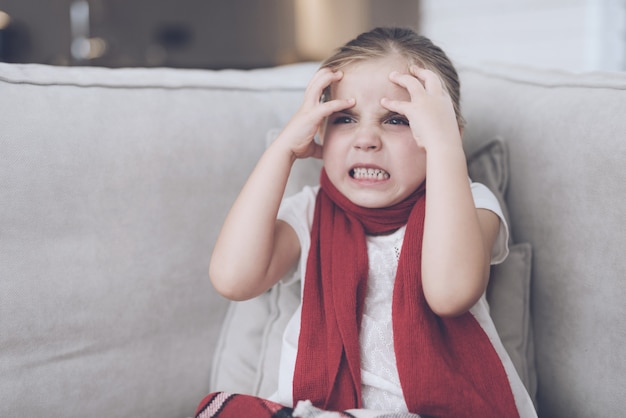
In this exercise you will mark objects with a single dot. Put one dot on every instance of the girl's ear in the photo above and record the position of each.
(461, 129)
(321, 131)
(325, 95)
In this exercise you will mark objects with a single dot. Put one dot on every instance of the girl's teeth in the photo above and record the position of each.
(370, 174)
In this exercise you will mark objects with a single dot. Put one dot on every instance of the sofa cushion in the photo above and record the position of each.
(508, 292)
(566, 195)
(114, 184)
(247, 357)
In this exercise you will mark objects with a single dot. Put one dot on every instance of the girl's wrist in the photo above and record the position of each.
(281, 152)
(445, 157)
(444, 146)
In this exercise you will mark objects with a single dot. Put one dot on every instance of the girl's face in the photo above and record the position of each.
(369, 153)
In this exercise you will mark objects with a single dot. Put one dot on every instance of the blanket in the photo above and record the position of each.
(231, 405)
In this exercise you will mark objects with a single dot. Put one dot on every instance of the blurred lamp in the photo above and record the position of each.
(5, 19)
(323, 25)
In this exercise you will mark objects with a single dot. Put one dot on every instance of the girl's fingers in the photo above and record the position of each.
(320, 81)
(430, 79)
(307, 120)
(429, 107)
(317, 114)
(407, 81)
(418, 81)
(337, 105)
(396, 106)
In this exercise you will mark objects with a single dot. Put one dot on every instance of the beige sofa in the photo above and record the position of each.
(114, 183)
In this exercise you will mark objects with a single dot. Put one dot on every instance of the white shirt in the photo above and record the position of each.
(381, 388)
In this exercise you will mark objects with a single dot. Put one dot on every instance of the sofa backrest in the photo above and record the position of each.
(566, 135)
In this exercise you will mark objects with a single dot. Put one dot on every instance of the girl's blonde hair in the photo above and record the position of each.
(417, 49)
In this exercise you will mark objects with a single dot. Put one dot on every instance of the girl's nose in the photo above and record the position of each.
(367, 141)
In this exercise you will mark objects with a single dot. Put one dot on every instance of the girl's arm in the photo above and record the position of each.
(458, 238)
(253, 249)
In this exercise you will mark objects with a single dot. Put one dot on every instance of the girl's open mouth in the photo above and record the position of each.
(362, 173)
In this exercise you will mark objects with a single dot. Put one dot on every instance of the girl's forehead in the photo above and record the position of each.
(375, 64)
(371, 72)
(369, 81)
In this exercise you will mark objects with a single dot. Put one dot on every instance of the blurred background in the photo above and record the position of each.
(576, 35)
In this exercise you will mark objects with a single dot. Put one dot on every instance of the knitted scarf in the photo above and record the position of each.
(447, 366)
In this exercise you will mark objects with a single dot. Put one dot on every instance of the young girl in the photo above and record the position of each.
(394, 246)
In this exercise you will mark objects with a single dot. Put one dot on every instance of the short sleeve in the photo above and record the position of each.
(297, 211)
(485, 199)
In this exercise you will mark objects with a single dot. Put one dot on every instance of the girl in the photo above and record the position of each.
(394, 246)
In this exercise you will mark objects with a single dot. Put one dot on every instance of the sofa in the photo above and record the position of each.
(114, 184)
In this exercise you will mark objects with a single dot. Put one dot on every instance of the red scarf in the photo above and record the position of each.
(447, 366)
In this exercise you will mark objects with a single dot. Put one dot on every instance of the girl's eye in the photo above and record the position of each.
(396, 120)
(342, 119)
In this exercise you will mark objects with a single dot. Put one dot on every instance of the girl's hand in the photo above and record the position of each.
(298, 135)
(430, 111)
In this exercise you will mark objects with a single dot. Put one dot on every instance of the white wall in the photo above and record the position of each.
(575, 35)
